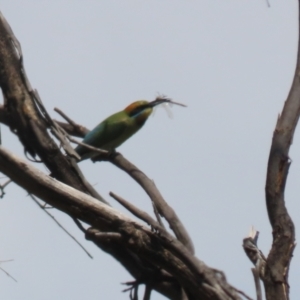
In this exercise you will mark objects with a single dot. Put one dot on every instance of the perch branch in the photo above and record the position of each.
(162, 206)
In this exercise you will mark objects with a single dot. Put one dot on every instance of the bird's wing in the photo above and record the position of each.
(105, 135)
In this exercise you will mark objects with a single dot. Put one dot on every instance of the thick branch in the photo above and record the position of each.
(196, 278)
(25, 119)
(278, 261)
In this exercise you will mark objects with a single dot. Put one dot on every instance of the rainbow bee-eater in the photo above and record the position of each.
(117, 128)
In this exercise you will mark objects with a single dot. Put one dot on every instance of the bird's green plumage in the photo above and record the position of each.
(116, 129)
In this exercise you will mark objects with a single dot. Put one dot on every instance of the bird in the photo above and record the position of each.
(117, 128)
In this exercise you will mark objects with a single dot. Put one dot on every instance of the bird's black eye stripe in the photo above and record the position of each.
(137, 110)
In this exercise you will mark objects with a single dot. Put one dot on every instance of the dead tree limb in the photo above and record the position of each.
(200, 281)
(162, 206)
(279, 258)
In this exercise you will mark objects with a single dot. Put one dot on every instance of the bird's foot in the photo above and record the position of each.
(105, 156)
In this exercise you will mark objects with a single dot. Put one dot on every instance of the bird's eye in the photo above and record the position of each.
(137, 110)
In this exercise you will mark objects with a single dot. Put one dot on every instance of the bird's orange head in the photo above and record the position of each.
(139, 110)
(142, 109)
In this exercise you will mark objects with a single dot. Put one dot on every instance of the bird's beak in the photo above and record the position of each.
(161, 100)
(155, 102)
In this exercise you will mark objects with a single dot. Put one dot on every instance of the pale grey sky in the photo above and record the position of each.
(231, 62)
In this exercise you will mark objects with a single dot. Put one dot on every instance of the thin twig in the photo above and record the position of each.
(255, 273)
(2, 187)
(79, 225)
(53, 218)
(137, 212)
(88, 186)
(133, 289)
(64, 139)
(158, 218)
(101, 151)
(76, 127)
(8, 274)
(3, 261)
(72, 127)
(163, 208)
(68, 119)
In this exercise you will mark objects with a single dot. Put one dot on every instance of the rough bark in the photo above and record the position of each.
(278, 261)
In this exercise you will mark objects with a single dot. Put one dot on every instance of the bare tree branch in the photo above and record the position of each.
(3, 186)
(74, 128)
(26, 119)
(138, 213)
(199, 280)
(255, 273)
(162, 206)
(60, 226)
(278, 261)
(2, 261)
(254, 254)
